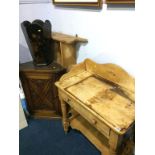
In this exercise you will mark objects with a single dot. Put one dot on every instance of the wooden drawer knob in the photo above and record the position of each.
(68, 100)
(94, 121)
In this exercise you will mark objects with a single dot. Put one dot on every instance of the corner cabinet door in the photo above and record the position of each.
(40, 93)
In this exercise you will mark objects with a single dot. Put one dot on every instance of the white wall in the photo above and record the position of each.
(22, 118)
(110, 31)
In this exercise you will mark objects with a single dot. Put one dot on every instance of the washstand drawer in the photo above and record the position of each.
(91, 118)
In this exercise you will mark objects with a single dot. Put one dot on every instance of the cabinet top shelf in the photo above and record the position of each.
(69, 39)
(29, 66)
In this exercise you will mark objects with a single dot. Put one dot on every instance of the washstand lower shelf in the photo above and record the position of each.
(96, 138)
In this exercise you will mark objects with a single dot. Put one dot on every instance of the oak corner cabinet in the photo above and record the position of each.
(40, 91)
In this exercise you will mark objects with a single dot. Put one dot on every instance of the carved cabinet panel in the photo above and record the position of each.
(41, 94)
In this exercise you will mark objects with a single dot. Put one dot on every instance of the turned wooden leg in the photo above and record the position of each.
(114, 142)
(65, 120)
